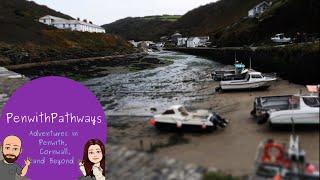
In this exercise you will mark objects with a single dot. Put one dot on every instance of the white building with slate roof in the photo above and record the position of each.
(74, 25)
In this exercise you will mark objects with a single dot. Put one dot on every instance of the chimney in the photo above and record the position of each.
(78, 19)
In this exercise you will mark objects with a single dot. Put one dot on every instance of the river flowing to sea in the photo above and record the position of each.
(185, 80)
(133, 94)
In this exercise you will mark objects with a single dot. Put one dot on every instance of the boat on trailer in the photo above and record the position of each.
(178, 118)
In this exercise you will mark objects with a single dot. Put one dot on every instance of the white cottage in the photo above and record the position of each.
(204, 40)
(193, 42)
(182, 41)
(258, 9)
(74, 25)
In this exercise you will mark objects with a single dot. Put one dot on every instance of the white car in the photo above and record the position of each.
(177, 117)
(279, 38)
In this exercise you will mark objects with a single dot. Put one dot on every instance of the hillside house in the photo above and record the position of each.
(74, 25)
(193, 42)
(259, 9)
(182, 41)
(204, 40)
(175, 36)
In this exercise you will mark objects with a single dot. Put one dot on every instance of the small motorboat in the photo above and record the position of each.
(253, 80)
(275, 162)
(280, 38)
(239, 72)
(178, 118)
(280, 110)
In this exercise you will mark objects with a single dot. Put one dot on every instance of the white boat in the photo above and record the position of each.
(253, 80)
(282, 110)
(177, 117)
(279, 38)
(239, 72)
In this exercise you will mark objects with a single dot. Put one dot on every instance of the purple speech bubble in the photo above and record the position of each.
(51, 115)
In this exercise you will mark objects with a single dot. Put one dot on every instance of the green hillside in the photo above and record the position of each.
(211, 17)
(23, 39)
(226, 22)
(284, 16)
(142, 28)
(199, 21)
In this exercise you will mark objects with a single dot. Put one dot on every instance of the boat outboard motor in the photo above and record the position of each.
(216, 119)
(263, 119)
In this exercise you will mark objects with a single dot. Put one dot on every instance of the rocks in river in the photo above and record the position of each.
(126, 164)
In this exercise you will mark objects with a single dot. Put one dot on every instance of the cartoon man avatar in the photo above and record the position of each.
(11, 149)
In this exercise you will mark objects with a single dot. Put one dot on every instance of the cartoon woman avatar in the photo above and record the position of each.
(92, 165)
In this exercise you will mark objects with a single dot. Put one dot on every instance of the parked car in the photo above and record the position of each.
(280, 38)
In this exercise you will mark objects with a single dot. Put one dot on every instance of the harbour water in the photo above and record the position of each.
(186, 79)
(135, 93)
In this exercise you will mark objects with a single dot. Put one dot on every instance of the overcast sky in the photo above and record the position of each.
(106, 11)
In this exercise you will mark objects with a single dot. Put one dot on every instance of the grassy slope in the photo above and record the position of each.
(18, 21)
(288, 16)
(214, 16)
(23, 39)
(142, 28)
(171, 18)
(225, 23)
(199, 21)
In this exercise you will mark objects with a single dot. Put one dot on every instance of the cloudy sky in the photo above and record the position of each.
(106, 11)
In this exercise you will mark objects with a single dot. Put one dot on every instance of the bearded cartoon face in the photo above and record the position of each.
(11, 149)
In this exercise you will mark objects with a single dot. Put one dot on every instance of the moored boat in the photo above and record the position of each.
(178, 118)
(253, 80)
(239, 72)
(281, 110)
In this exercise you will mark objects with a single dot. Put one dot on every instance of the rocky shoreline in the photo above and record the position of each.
(83, 68)
(113, 60)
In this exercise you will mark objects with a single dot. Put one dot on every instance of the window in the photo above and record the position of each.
(168, 112)
(44, 21)
(311, 101)
(256, 76)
